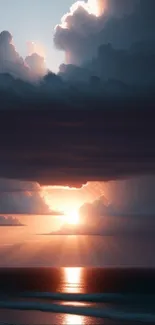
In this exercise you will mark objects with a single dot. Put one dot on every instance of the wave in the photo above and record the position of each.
(96, 297)
(110, 314)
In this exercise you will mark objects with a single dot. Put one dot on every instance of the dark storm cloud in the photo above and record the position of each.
(75, 146)
(118, 48)
(9, 221)
(119, 72)
(99, 123)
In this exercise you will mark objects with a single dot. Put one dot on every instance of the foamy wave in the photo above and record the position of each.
(84, 311)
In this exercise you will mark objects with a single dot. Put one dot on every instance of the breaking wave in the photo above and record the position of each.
(100, 312)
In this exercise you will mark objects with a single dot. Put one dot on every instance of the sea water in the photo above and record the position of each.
(77, 296)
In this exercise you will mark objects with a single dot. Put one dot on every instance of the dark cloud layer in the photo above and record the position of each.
(73, 147)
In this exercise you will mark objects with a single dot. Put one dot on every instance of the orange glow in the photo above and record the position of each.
(68, 204)
(36, 47)
(72, 217)
(94, 7)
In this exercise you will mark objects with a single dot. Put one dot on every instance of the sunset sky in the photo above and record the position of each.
(77, 132)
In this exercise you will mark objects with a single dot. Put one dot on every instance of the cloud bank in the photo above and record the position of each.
(73, 148)
(18, 197)
(9, 221)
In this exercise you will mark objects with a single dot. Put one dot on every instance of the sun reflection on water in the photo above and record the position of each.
(73, 284)
(72, 277)
(73, 320)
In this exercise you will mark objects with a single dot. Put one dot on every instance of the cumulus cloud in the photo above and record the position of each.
(81, 31)
(12, 63)
(19, 197)
(9, 221)
(37, 64)
(118, 46)
(129, 208)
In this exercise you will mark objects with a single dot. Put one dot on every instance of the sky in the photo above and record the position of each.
(77, 132)
(37, 22)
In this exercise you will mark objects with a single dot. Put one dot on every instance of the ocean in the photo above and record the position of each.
(77, 296)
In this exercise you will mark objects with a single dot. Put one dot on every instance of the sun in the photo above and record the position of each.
(72, 217)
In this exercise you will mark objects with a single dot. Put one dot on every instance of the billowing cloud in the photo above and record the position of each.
(12, 63)
(9, 221)
(117, 46)
(84, 28)
(17, 197)
(37, 64)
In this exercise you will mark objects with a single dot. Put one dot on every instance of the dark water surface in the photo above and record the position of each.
(128, 291)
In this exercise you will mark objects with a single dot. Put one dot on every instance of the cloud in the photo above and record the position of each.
(109, 225)
(74, 147)
(37, 64)
(129, 207)
(117, 70)
(18, 197)
(80, 33)
(12, 63)
(90, 122)
(126, 208)
(9, 221)
(118, 46)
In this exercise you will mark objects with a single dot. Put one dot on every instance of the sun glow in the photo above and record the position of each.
(72, 217)
(94, 7)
